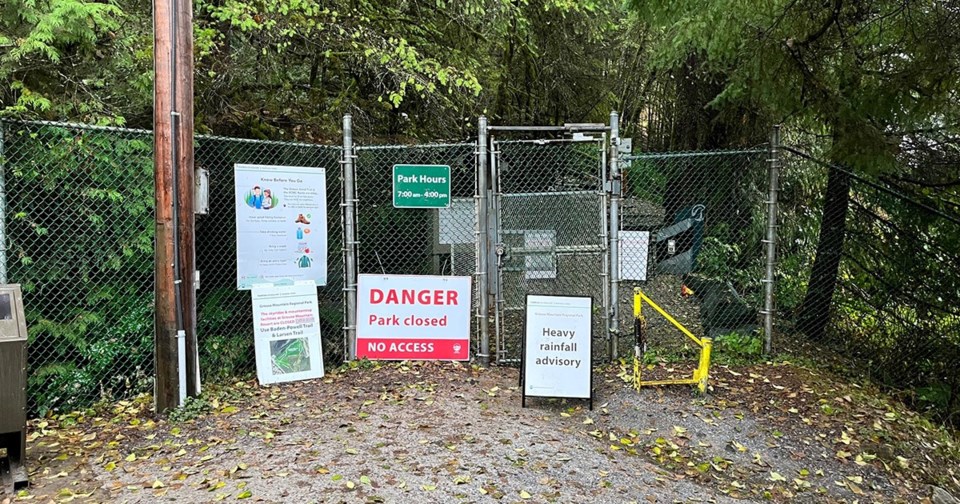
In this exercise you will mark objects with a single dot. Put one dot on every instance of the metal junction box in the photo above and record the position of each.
(13, 385)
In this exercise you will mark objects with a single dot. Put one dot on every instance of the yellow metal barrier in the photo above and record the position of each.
(700, 374)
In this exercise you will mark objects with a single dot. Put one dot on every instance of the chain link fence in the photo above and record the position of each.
(870, 269)
(415, 241)
(78, 233)
(867, 268)
(79, 239)
(692, 226)
(224, 314)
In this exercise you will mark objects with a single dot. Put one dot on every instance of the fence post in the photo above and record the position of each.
(483, 243)
(3, 208)
(771, 241)
(615, 187)
(349, 240)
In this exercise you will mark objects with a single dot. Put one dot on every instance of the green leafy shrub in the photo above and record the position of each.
(738, 347)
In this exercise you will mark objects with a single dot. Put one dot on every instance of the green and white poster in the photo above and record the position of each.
(286, 332)
(281, 224)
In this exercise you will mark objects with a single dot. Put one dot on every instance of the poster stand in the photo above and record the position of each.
(573, 315)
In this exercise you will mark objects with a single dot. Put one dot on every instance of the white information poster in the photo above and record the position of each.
(281, 224)
(415, 317)
(556, 360)
(286, 332)
(634, 252)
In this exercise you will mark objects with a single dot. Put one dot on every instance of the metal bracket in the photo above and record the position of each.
(615, 187)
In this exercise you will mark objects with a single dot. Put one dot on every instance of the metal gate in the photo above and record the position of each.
(534, 220)
(550, 218)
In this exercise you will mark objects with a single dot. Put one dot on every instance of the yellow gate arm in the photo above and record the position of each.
(640, 324)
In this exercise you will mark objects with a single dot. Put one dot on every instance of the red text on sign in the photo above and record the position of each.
(413, 296)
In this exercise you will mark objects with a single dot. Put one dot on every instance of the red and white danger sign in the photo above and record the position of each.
(403, 317)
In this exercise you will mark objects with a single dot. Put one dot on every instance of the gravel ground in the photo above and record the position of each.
(453, 433)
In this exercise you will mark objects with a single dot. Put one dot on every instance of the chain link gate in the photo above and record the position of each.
(550, 223)
(411, 241)
(538, 209)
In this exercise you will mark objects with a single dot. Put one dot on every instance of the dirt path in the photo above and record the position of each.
(451, 433)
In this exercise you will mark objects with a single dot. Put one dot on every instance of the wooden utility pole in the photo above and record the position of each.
(175, 298)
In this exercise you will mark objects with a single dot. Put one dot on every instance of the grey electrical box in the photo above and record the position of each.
(201, 195)
(13, 383)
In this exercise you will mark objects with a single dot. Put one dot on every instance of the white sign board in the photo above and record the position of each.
(286, 332)
(281, 216)
(458, 222)
(557, 341)
(403, 317)
(540, 263)
(634, 251)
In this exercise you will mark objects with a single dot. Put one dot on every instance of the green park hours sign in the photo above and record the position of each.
(421, 186)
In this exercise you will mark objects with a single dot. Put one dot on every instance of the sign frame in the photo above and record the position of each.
(448, 343)
(523, 354)
(405, 201)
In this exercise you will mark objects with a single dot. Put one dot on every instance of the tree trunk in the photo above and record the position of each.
(814, 311)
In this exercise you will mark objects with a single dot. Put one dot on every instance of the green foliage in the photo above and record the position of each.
(646, 180)
(865, 72)
(738, 348)
(726, 261)
(70, 58)
(358, 364)
(273, 68)
(80, 242)
(192, 409)
(226, 346)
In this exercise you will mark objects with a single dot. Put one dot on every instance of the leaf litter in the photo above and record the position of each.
(437, 432)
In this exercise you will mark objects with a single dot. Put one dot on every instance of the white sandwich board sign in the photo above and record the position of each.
(286, 332)
(557, 347)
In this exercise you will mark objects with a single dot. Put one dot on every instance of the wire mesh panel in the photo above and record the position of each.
(552, 234)
(79, 233)
(691, 231)
(417, 241)
(79, 238)
(224, 314)
(871, 270)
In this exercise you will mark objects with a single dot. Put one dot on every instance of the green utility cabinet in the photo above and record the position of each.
(13, 385)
